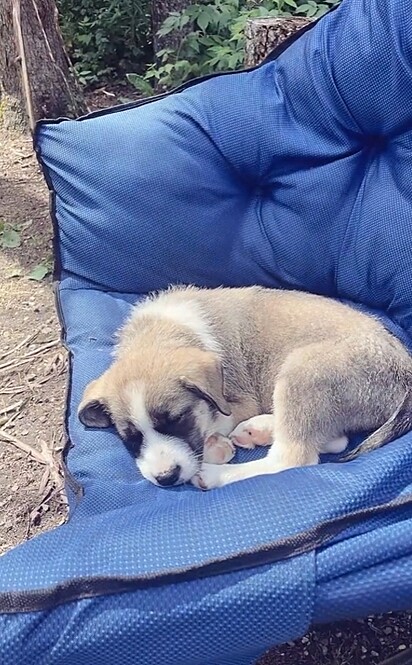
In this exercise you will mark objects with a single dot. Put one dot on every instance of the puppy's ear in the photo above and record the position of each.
(93, 410)
(205, 379)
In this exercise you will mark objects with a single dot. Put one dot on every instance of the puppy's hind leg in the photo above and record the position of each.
(308, 416)
(317, 399)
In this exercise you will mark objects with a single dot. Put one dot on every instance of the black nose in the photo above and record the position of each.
(171, 477)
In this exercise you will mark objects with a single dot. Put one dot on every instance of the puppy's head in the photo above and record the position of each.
(162, 406)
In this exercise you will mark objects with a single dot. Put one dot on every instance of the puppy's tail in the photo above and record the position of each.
(398, 424)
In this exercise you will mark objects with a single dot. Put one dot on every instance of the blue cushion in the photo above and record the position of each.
(295, 174)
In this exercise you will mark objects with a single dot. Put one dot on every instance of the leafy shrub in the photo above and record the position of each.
(105, 38)
(217, 40)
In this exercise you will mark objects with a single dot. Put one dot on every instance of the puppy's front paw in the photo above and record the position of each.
(218, 449)
(209, 477)
(257, 431)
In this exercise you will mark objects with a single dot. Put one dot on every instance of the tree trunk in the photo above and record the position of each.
(35, 76)
(160, 10)
(264, 34)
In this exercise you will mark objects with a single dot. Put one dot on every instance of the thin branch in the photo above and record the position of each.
(22, 54)
(24, 342)
(24, 447)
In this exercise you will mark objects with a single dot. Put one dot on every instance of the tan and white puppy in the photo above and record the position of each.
(262, 366)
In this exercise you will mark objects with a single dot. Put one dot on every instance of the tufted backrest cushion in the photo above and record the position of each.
(297, 173)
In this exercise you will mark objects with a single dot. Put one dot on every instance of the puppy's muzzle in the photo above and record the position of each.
(170, 477)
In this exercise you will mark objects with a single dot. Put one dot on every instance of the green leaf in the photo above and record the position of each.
(195, 46)
(193, 11)
(323, 9)
(302, 9)
(164, 53)
(213, 61)
(171, 23)
(203, 20)
(10, 238)
(205, 40)
(39, 272)
(184, 20)
(291, 3)
(140, 84)
(234, 61)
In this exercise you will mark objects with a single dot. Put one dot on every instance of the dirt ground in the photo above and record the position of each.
(32, 363)
(32, 390)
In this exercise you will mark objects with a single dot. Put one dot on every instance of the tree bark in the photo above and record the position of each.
(160, 10)
(36, 80)
(264, 34)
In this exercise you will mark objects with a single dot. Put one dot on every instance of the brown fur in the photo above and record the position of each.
(164, 375)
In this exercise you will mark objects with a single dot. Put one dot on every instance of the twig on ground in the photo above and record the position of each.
(36, 366)
(105, 92)
(28, 525)
(44, 480)
(56, 473)
(53, 474)
(12, 407)
(43, 507)
(24, 447)
(7, 421)
(24, 342)
(13, 364)
(16, 390)
(42, 348)
(8, 367)
(20, 154)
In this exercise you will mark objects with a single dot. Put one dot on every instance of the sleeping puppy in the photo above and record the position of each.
(196, 370)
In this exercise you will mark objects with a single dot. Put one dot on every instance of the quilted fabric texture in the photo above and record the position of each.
(295, 174)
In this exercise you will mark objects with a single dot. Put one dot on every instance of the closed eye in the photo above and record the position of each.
(171, 425)
(177, 419)
(132, 439)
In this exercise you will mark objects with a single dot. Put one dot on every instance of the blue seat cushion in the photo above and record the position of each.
(295, 175)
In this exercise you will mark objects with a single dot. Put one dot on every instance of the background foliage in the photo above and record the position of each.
(107, 38)
(216, 42)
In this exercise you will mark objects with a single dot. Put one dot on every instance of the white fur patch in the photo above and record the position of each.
(137, 406)
(185, 312)
(160, 453)
(214, 475)
(336, 446)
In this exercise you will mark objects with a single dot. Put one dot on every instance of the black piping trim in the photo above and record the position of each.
(70, 481)
(285, 548)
